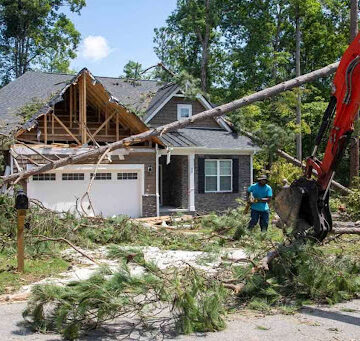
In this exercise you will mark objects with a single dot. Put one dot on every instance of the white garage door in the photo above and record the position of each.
(113, 192)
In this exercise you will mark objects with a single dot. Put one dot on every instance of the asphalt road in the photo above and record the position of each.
(323, 323)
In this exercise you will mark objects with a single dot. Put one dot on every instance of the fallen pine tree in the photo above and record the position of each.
(214, 112)
(189, 299)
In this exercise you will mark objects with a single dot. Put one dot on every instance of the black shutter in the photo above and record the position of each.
(235, 174)
(201, 175)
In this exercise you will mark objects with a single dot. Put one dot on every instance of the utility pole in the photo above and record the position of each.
(354, 149)
(298, 73)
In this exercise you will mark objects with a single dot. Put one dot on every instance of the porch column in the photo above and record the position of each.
(157, 170)
(191, 181)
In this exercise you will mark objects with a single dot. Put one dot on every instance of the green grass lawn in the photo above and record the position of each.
(35, 270)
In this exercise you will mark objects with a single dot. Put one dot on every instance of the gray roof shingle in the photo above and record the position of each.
(30, 87)
(160, 96)
(207, 138)
(41, 86)
(134, 95)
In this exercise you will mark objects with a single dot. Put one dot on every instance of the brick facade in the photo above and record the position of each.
(175, 184)
(207, 202)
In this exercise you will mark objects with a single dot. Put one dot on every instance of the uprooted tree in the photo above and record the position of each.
(214, 112)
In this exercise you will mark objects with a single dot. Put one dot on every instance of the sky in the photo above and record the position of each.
(116, 31)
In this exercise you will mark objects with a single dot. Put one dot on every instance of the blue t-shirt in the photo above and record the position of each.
(260, 192)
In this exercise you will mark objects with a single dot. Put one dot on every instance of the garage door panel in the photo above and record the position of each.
(120, 195)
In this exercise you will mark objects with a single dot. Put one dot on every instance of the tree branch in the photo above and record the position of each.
(63, 240)
(211, 113)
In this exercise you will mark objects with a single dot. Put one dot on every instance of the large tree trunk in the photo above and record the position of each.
(214, 112)
(205, 48)
(298, 73)
(354, 149)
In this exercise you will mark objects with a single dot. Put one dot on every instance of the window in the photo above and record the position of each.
(218, 175)
(184, 111)
(126, 176)
(73, 176)
(101, 176)
(44, 177)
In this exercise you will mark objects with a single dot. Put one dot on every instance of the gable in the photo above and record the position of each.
(84, 113)
(168, 113)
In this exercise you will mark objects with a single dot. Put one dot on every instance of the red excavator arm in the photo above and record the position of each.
(346, 99)
(305, 204)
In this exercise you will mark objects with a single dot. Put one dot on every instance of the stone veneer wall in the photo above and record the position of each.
(149, 205)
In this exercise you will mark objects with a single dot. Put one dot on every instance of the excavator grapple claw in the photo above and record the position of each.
(303, 207)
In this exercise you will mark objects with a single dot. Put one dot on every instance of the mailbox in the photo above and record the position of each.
(21, 200)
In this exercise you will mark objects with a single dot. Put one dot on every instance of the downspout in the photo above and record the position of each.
(11, 164)
(251, 169)
(157, 180)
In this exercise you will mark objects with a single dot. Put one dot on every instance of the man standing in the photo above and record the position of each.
(260, 195)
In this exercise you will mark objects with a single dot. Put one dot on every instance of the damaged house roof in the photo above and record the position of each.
(137, 96)
(42, 87)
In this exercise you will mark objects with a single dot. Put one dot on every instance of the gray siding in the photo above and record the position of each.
(168, 113)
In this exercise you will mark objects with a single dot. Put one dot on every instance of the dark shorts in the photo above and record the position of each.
(263, 216)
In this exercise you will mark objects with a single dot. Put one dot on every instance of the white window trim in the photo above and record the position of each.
(218, 175)
(183, 106)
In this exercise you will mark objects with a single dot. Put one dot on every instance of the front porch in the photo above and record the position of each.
(171, 210)
(176, 184)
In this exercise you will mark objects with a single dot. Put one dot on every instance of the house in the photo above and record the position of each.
(204, 167)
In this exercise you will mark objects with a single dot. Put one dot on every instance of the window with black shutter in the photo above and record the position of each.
(201, 175)
(235, 174)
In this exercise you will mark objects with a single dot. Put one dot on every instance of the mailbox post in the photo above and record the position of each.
(21, 205)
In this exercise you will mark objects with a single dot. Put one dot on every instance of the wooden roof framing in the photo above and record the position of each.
(83, 90)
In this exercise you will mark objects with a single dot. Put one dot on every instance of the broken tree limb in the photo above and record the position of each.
(346, 227)
(296, 162)
(349, 230)
(63, 240)
(262, 265)
(211, 113)
(346, 224)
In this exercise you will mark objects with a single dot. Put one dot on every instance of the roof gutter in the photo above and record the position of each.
(204, 150)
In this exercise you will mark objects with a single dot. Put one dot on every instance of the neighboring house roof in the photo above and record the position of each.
(207, 138)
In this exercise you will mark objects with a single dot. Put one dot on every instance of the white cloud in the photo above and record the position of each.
(95, 48)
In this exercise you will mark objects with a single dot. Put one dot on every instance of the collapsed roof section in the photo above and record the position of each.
(43, 91)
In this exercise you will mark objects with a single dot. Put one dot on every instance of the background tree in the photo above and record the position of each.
(36, 34)
(253, 46)
(190, 41)
(132, 70)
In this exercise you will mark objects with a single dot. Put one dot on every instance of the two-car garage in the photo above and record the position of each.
(115, 190)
